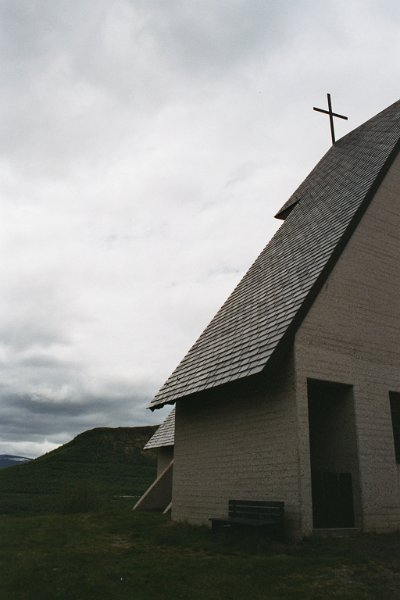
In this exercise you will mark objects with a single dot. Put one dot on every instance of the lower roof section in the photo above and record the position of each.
(165, 434)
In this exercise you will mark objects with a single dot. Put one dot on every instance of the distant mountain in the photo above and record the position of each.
(105, 462)
(10, 460)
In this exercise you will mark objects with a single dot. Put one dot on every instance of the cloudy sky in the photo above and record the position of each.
(145, 147)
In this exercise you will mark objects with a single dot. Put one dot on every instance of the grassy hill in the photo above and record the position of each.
(93, 469)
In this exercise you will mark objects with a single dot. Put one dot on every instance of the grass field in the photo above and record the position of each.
(67, 533)
(118, 554)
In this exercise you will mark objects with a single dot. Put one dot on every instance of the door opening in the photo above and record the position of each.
(333, 453)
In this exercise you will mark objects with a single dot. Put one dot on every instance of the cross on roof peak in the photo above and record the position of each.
(331, 115)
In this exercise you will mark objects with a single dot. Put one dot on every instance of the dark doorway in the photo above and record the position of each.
(333, 450)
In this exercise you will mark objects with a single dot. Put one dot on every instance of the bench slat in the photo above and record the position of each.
(258, 502)
(266, 514)
(273, 510)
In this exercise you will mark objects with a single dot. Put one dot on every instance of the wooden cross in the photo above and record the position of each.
(331, 115)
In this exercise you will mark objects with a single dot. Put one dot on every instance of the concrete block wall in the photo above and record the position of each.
(351, 335)
(164, 456)
(237, 446)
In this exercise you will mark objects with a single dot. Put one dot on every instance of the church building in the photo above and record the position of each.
(292, 392)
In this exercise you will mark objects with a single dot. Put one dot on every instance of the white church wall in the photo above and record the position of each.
(239, 445)
(351, 335)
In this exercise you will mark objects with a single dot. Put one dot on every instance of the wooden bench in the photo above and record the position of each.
(267, 515)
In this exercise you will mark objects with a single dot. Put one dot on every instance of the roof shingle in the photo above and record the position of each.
(165, 434)
(246, 331)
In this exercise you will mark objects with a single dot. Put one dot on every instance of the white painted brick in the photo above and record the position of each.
(351, 334)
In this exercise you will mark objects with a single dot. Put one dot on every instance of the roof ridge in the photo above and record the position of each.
(337, 147)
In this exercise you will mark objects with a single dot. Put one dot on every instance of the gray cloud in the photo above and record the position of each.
(38, 422)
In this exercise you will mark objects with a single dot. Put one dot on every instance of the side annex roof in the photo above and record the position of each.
(267, 305)
(164, 435)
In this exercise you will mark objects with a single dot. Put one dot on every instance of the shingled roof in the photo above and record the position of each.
(165, 434)
(268, 303)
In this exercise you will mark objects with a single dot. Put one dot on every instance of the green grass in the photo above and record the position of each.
(118, 554)
(67, 533)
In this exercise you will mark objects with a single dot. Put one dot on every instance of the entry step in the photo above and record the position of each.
(336, 531)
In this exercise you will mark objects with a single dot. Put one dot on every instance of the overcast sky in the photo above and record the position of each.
(145, 147)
